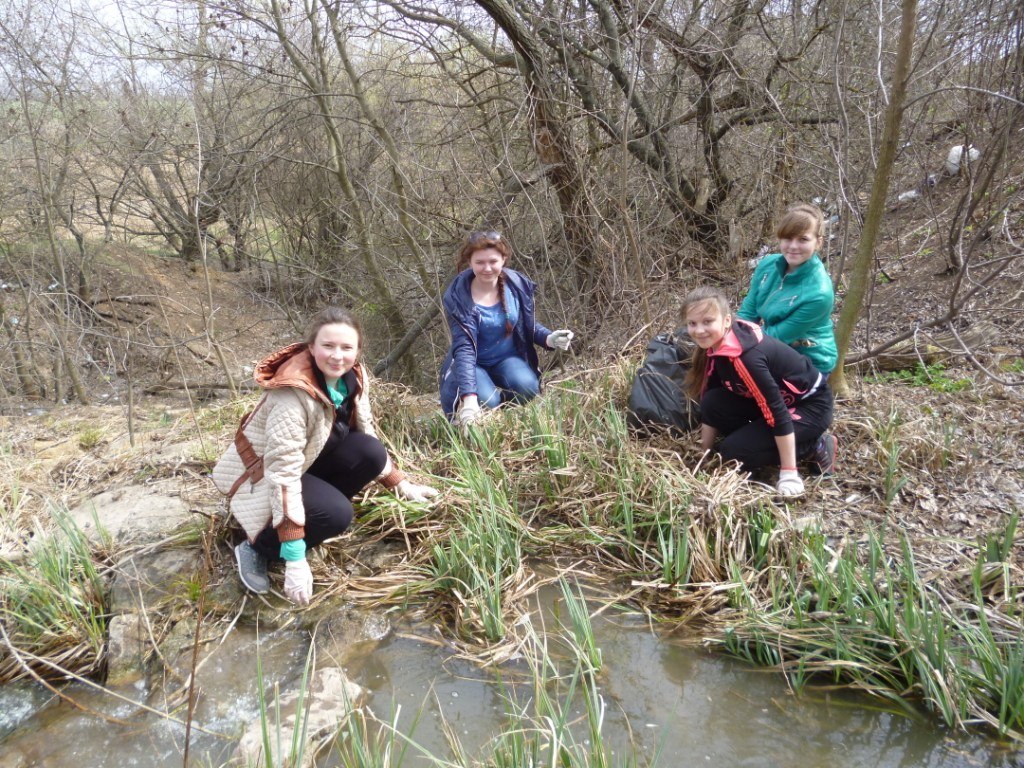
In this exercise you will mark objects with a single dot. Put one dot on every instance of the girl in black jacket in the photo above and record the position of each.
(767, 402)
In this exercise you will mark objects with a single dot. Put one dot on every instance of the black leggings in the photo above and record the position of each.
(328, 486)
(746, 436)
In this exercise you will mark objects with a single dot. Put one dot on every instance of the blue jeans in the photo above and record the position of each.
(511, 379)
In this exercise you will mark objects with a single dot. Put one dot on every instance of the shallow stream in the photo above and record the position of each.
(692, 707)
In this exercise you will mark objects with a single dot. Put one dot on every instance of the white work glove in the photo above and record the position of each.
(560, 339)
(298, 581)
(468, 412)
(412, 492)
(790, 483)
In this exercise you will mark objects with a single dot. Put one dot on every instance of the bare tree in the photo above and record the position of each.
(861, 266)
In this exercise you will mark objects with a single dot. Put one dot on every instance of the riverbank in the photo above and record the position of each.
(900, 575)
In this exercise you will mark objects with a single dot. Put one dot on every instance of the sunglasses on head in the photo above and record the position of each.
(485, 234)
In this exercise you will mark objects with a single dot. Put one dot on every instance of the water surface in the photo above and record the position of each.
(661, 695)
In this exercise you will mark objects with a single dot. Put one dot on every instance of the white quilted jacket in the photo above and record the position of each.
(288, 429)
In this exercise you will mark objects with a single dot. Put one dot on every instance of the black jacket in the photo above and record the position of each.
(750, 364)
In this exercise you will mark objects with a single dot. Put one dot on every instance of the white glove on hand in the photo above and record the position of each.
(468, 413)
(560, 339)
(413, 492)
(790, 483)
(298, 581)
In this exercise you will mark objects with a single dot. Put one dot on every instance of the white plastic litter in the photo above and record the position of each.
(955, 158)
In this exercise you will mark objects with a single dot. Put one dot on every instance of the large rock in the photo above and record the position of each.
(350, 633)
(331, 697)
(132, 513)
(145, 581)
(126, 649)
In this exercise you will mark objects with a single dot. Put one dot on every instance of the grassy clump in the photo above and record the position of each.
(551, 719)
(876, 622)
(934, 376)
(51, 606)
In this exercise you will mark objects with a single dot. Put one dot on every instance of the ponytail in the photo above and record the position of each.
(504, 305)
(698, 372)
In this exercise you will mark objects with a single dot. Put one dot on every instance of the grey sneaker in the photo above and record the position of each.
(252, 568)
(823, 460)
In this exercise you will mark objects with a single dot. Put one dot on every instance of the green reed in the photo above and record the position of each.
(51, 604)
(543, 729)
(580, 628)
(996, 546)
(674, 551)
(477, 561)
(761, 527)
(996, 669)
(878, 623)
(365, 743)
(277, 751)
(551, 719)
(891, 450)
(473, 563)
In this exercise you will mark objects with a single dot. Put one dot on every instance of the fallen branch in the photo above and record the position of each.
(928, 349)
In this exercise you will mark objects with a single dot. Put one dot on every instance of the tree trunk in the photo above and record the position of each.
(553, 145)
(860, 273)
(316, 81)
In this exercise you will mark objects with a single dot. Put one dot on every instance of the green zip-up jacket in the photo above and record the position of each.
(794, 308)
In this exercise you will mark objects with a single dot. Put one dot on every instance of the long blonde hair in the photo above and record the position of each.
(699, 297)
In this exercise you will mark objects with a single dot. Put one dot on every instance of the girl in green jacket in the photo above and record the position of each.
(791, 294)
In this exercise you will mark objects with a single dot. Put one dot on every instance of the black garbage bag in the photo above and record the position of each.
(657, 399)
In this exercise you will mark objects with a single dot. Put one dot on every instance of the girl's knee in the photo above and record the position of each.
(492, 400)
(522, 393)
(531, 388)
(375, 454)
(332, 523)
(524, 384)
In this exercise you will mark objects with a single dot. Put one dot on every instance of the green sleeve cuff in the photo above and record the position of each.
(293, 550)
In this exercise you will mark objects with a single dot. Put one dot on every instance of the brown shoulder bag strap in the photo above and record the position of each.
(253, 463)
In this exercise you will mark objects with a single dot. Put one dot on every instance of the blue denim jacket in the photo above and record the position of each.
(458, 371)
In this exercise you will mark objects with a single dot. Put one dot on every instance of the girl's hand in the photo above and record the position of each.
(468, 412)
(413, 492)
(298, 581)
(790, 484)
(559, 340)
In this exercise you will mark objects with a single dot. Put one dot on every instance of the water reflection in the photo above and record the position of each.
(690, 707)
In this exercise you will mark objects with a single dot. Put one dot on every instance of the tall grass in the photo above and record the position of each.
(574, 482)
(890, 451)
(478, 561)
(559, 720)
(878, 624)
(580, 629)
(51, 604)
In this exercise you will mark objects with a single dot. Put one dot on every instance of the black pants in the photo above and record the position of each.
(746, 436)
(338, 474)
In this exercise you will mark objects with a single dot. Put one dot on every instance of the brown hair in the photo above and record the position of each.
(332, 316)
(481, 241)
(801, 218)
(698, 297)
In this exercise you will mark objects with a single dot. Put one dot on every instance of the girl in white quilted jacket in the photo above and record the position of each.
(307, 448)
